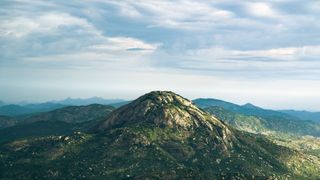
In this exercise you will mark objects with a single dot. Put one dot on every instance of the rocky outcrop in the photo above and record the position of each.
(167, 109)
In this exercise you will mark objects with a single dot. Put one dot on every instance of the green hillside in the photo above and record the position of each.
(160, 135)
(255, 119)
(72, 114)
(57, 122)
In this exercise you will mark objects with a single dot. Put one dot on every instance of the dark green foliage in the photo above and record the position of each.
(293, 126)
(141, 152)
(72, 114)
(35, 130)
(6, 121)
(160, 135)
(243, 122)
(119, 104)
(56, 122)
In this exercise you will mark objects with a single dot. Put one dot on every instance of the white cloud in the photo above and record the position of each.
(261, 9)
(65, 37)
(280, 54)
(174, 14)
(125, 43)
(288, 62)
(46, 23)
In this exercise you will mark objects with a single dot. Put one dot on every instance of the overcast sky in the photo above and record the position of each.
(263, 52)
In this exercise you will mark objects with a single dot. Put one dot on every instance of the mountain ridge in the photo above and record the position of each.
(87, 101)
(304, 115)
(247, 109)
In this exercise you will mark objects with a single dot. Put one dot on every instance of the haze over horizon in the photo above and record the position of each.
(262, 52)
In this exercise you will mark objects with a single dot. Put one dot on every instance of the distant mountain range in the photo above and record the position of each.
(27, 109)
(93, 100)
(304, 115)
(247, 109)
(17, 110)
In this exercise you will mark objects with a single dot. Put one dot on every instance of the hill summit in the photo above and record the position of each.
(163, 108)
(166, 109)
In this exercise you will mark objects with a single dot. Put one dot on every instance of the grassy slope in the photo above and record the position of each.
(306, 162)
(267, 124)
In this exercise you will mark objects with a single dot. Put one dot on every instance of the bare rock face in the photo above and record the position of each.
(162, 108)
(166, 109)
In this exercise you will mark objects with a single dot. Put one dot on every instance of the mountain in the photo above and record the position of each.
(2, 103)
(160, 135)
(266, 124)
(272, 120)
(56, 122)
(13, 110)
(250, 106)
(30, 109)
(242, 122)
(33, 131)
(304, 115)
(247, 109)
(17, 110)
(93, 100)
(6, 121)
(162, 109)
(208, 102)
(72, 114)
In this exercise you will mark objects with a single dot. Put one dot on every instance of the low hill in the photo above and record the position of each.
(18, 110)
(304, 115)
(57, 122)
(72, 114)
(269, 120)
(265, 125)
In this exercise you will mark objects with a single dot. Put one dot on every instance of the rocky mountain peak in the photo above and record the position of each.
(163, 108)
(164, 97)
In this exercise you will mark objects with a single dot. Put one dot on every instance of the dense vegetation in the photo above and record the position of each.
(57, 122)
(307, 160)
(6, 121)
(140, 152)
(254, 119)
(159, 135)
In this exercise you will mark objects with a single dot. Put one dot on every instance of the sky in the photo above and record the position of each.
(263, 52)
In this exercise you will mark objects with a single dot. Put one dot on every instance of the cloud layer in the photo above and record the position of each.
(223, 40)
